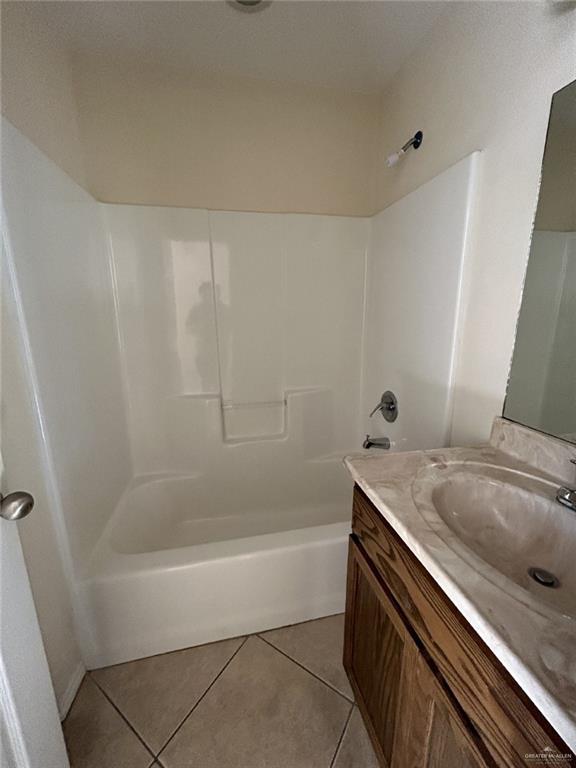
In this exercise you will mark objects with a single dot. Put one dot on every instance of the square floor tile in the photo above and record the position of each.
(97, 736)
(317, 645)
(264, 711)
(155, 694)
(356, 749)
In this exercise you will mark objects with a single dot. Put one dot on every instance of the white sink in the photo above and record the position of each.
(508, 520)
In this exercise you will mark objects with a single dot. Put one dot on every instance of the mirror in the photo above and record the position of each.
(542, 384)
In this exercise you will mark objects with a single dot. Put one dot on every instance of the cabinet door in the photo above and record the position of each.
(412, 721)
(431, 731)
(373, 651)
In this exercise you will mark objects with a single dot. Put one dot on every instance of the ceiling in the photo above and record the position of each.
(355, 45)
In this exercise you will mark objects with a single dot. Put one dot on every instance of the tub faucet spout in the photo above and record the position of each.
(376, 442)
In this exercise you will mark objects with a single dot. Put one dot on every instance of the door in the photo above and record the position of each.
(30, 731)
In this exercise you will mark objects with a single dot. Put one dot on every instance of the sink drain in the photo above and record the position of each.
(544, 578)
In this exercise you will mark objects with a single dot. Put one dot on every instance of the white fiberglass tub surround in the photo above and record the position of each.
(250, 349)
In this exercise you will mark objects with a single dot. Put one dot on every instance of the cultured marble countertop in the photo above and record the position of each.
(537, 648)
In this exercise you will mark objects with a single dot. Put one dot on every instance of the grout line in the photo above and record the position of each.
(341, 739)
(156, 757)
(298, 623)
(123, 716)
(86, 674)
(224, 668)
(298, 664)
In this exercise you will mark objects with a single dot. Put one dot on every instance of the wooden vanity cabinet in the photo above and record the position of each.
(431, 694)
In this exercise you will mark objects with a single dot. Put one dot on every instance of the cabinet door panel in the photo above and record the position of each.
(431, 732)
(373, 653)
(447, 745)
(412, 721)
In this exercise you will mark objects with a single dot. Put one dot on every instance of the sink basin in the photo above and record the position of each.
(509, 521)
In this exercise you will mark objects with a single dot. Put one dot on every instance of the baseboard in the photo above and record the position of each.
(66, 699)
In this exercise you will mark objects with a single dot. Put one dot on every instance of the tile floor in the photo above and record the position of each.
(279, 699)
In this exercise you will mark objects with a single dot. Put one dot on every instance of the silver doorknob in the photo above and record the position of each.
(16, 505)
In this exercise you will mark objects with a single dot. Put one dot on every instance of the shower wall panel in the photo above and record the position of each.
(416, 292)
(241, 338)
(289, 306)
(167, 325)
(249, 272)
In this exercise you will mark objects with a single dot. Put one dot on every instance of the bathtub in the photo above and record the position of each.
(177, 567)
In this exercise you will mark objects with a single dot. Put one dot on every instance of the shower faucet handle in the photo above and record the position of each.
(388, 406)
(382, 406)
(379, 407)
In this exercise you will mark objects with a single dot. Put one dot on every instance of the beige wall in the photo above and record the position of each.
(483, 80)
(158, 137)
(136, 132)
(37, 94)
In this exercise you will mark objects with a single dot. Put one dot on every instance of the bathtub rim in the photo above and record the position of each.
(107, 564)
(106, 561)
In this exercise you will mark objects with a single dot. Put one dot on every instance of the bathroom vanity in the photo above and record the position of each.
(457, 660)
